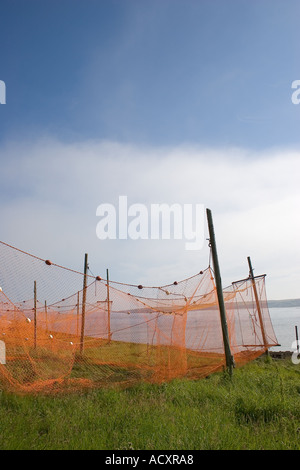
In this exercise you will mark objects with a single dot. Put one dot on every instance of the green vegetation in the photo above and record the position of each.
(258, 408)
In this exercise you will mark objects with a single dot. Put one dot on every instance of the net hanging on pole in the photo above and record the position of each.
(130, 333)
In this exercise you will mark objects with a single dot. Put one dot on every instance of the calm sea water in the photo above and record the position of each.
(284, 321)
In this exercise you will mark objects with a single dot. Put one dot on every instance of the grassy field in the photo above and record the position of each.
(258, 408)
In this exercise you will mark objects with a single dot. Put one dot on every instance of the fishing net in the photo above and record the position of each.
(61, 329)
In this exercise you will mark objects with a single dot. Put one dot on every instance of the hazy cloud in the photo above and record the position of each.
(51, 190)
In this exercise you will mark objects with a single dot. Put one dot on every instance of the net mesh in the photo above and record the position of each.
(61, 329)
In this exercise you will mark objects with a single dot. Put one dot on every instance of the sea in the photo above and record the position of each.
(284, 321)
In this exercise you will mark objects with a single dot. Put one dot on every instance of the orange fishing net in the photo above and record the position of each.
(56, 334)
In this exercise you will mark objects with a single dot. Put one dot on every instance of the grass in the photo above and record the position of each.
(103, 362)
(258, 408)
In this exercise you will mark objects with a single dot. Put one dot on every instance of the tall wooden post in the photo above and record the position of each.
(83, 302)
(46, 315)
(77, 317)
(297, 339)
(226, 341)
(108, 308)
(261, 322)
(34, 313)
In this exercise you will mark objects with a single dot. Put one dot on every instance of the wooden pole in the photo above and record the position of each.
(34, 310)
(262, 327)
(226, 341)
(83, 302)
(108, 307)
(297, 338)
(77, 317)
(46, 315)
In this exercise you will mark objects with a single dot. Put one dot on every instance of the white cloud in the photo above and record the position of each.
(51, 191)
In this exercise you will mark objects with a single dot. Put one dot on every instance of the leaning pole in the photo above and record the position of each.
(261, 321)
(83, 302)
(226, 341)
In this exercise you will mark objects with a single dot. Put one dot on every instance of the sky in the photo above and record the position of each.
(164, 102)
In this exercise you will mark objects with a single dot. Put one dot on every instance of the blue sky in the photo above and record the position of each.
(160, 72)
(143, 95)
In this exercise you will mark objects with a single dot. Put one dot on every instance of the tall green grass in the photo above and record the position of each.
(258, 408)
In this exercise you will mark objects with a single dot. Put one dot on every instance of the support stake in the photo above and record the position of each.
(46, 315)
(261, 322)
(83, 302)
(77, 316)
(226, 341)
(297, 339)
(108, 308)
(34, 309)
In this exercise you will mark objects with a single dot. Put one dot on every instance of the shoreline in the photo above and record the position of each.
(280, 354)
